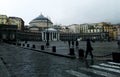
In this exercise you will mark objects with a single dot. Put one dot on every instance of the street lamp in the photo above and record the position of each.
(47, 33)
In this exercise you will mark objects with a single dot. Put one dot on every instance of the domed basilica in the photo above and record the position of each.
(42, 24)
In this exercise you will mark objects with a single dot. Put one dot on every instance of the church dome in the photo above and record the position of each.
(40, 18)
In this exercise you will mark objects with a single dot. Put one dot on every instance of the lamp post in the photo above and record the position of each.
(47, 33)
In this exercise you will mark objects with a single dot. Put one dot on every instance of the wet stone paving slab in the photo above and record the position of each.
(27, 63)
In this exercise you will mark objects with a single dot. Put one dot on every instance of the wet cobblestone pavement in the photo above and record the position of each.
(27, 63)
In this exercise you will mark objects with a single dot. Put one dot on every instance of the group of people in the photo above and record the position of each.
(89, 47)
(69, 42)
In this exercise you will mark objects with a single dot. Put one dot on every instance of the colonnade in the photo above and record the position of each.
(53, 36)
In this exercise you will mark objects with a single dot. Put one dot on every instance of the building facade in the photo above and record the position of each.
(16, 21)
(8, 32)
(41, 28)
(3, 19)
(43, 25)
(12, 21)
(107, 30)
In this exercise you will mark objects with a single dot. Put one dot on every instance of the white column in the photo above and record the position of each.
(45, 36)
(52, 36)
(49, 35)
(42, 36)
(58, 36)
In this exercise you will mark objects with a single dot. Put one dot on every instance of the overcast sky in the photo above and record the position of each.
(64, 12)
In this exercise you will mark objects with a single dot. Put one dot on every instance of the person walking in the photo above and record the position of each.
(89, 49)
(77, 43)
(73, 43)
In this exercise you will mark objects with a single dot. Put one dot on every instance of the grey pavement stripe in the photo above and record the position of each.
(106, 74)
(114, 63)
(105, 68)
(107, 65)
(77, 74)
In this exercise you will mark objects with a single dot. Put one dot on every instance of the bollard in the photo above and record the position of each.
(81, 53)
(116, 56)
(33, 46)
(20, 44)
(42, 47)
(71, 51)
(28, 45)
(54, 49)
(23, 45)
(14, 43)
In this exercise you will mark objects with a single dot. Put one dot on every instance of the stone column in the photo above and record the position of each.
(49, 35)
(42, 36)
(52, 35)
(58, 36)
(55, 35)
(45, 36)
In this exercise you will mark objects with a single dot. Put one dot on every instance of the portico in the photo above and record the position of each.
(53, 34)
